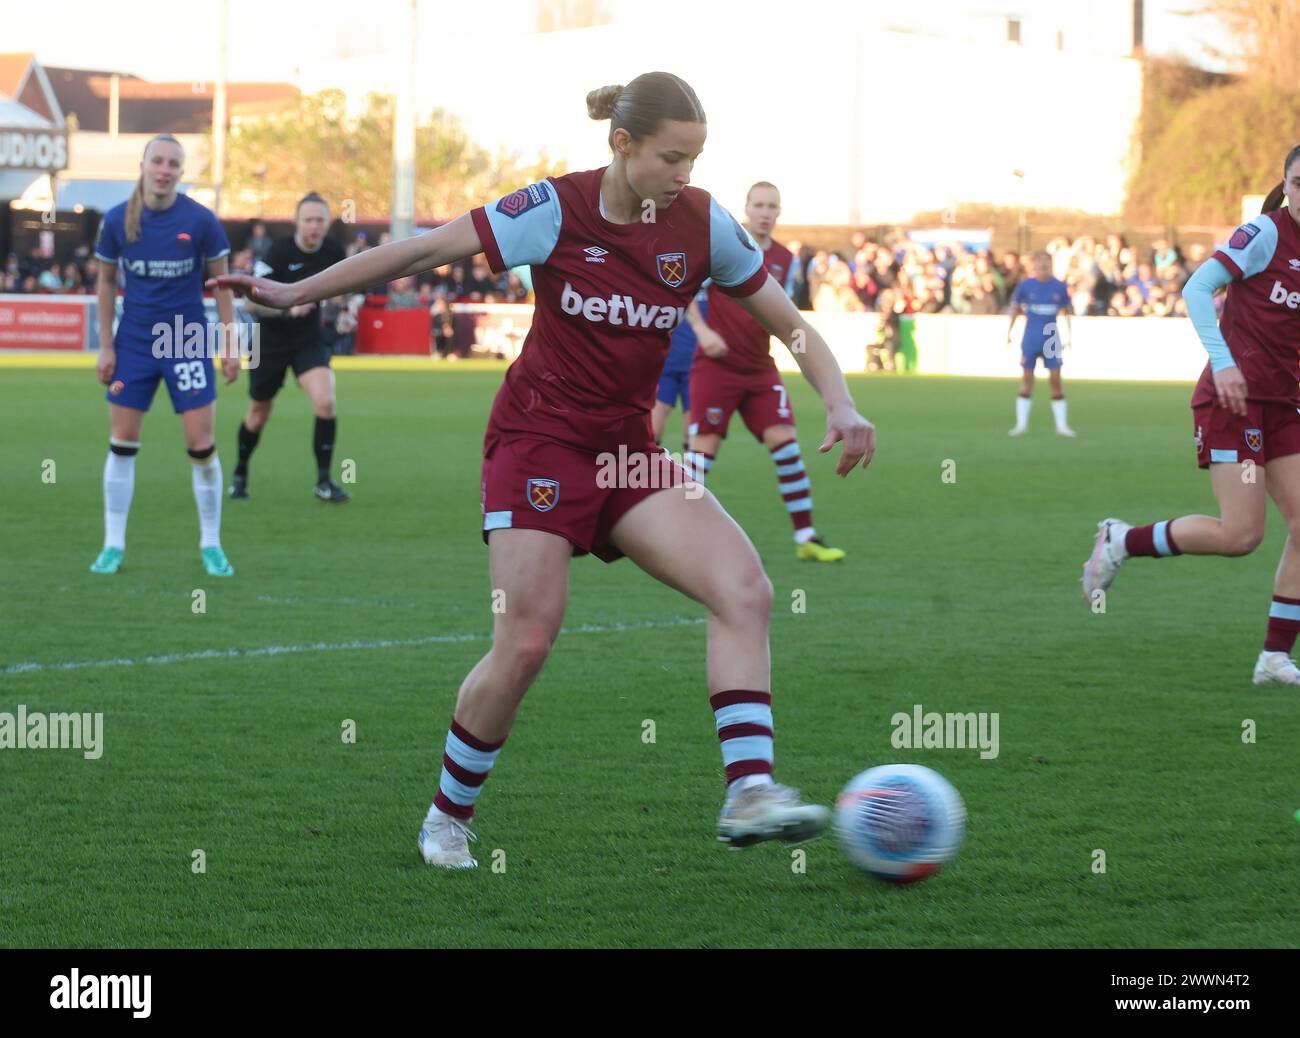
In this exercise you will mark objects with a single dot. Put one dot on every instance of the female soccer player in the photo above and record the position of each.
(617, 254)
(294, 338)
(166, 242)
(734, 372)
(1042, 299)
(1246, 411)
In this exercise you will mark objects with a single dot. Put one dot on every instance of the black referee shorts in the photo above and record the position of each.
(265, 380)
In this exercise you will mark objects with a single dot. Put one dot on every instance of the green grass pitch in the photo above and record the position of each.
(1119, 732)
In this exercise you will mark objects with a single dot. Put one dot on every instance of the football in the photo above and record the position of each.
(900, 822)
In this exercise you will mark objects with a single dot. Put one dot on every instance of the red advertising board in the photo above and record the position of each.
(380, 330)
(33, 323)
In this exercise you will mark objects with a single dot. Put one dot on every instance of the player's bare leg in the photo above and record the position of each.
(530, 588)
(1275, 665)
(703, 452)
(259, 413)
(1058, 403)
(1243, 504)
(119, 484)
(1024, 401)
(205, 475)
(683, 538)
(796, 494)
(318, 384)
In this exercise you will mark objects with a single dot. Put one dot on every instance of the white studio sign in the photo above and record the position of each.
(43, 150)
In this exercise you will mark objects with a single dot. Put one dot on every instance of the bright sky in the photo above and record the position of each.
(271, 40)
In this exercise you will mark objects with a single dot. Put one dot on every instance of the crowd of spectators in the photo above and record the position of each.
(77, 273)
(1106, 277)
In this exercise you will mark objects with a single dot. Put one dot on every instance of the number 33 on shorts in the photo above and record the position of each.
(191, 375)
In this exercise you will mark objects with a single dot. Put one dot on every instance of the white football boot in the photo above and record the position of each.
(445, 841)
(770, 812)
(1276, 668)
(1108, 554)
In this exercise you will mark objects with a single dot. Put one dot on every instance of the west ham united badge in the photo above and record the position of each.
(672, 268)
(543, 494)
(1254, 439)
(713, 414)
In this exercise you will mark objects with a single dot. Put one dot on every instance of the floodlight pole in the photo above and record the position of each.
(219, 111)
(403, 222)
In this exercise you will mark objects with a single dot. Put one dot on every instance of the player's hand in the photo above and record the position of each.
(230, 368)
(859, 436)
(106, 364)
(713, 344)
(1230, 387)
(276, 294)
(301, 310)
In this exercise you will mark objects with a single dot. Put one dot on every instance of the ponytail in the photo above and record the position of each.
(133, 208)
(1275, 197)
(135, 205)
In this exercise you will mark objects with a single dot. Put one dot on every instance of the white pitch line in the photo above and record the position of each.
(353, 646)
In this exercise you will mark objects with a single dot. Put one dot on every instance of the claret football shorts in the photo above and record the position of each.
(1267, 431)
(541, 485)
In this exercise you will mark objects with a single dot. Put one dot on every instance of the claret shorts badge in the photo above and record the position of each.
(543, 494)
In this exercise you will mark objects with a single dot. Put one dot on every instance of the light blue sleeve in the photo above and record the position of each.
(525, 225)
(1251, 246)
(734, 257)
(1198, 293)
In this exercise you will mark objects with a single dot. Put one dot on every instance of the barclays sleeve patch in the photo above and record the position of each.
(519, 202)
(1243, 236)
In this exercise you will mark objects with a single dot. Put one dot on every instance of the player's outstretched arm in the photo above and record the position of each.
(772, 308)
(452, 241)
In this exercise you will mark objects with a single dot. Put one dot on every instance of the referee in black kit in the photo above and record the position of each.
(292, 338)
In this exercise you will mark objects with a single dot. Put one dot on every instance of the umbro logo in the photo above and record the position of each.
(595, 254)
(1295, 264)
(296, 266)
